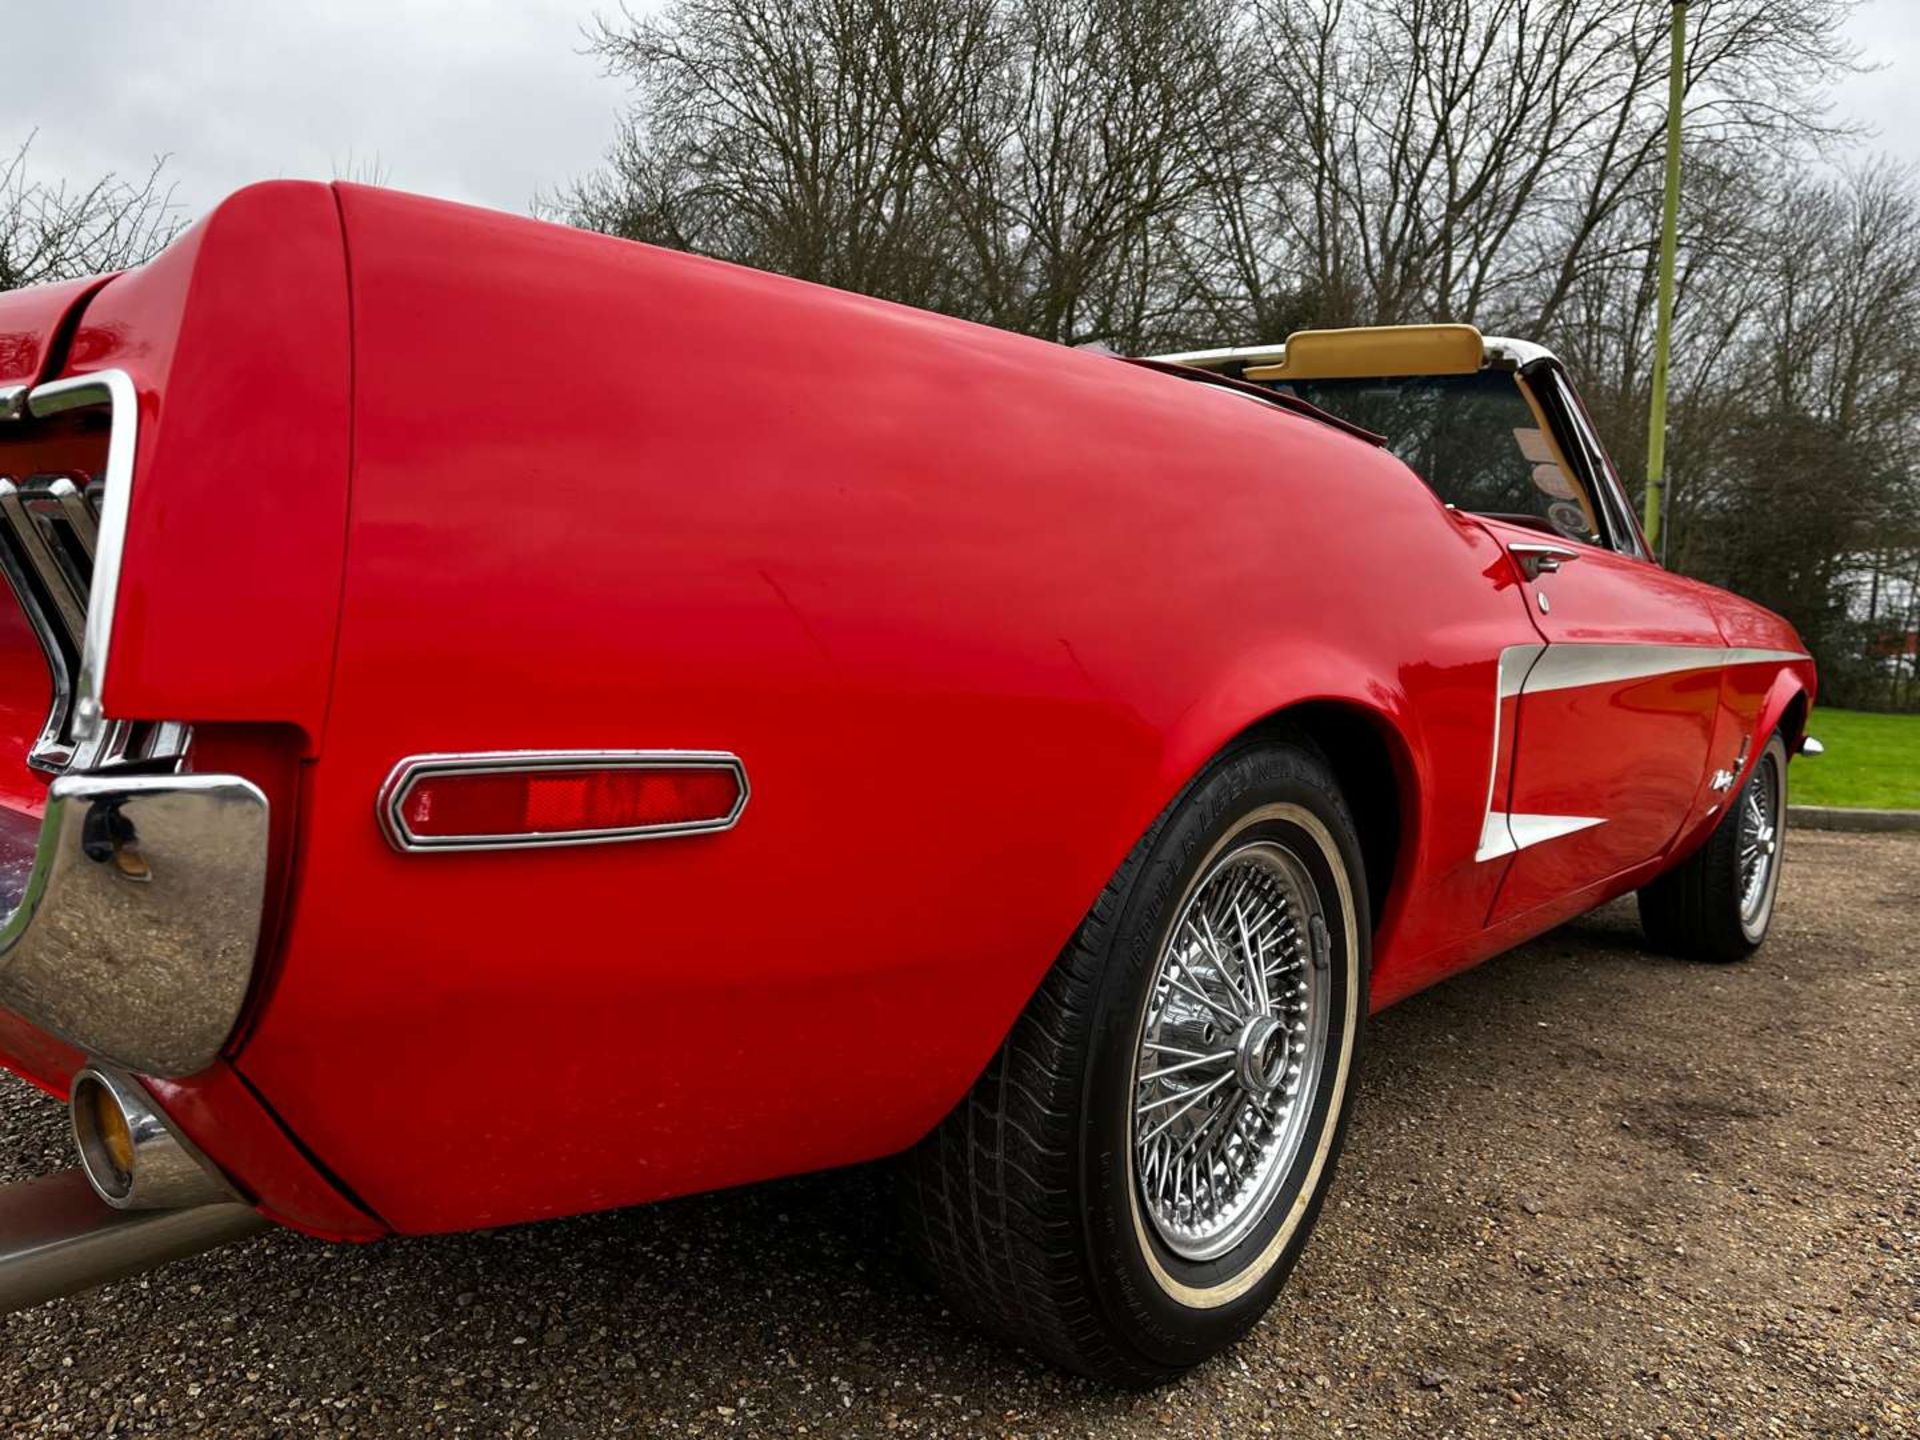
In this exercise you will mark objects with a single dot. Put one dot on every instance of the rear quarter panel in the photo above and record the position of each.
(971, 609)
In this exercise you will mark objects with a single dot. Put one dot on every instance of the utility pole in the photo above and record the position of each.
(1663, 324)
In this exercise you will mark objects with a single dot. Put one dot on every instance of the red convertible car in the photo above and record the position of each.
(1044, 761)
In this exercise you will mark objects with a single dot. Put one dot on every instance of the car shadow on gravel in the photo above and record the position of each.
(793, 1301)
(1544, 1153)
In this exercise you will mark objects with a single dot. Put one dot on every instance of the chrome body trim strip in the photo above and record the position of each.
(134, 932)
(406, 773)
(79, 513)
(13, 401)
(56, 1238)
(113, 388)
(51, 750)
(58, 584)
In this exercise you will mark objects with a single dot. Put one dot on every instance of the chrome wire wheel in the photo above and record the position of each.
(1236, 1031)
(1758, 855)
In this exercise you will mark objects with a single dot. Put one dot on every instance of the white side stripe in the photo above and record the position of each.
(1534, 669)
(1502, 834)
(1567, 666)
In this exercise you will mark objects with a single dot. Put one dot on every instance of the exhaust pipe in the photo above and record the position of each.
(143, 1196)
(131, 1152)
(57, 1237)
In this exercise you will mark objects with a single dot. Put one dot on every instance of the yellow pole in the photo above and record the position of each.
(1663, 323)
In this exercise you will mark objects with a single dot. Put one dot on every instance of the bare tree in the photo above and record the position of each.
(799, 137)
(1160, 173)
(57, 230)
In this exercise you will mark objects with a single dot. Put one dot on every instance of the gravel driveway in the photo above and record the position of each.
(1588, 1191)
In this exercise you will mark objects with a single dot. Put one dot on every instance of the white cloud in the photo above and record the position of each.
(488, 101)
(485, 102)
(1887, 99)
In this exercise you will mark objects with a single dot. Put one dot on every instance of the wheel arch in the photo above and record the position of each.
(1374, 768)
(1792, 713)
(1355, 712)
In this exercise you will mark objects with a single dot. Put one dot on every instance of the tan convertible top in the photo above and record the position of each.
(1368, 352)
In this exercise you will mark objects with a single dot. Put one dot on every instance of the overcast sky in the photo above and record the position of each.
(488, 101)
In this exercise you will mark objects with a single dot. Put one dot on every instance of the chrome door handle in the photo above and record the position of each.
(1537, 560)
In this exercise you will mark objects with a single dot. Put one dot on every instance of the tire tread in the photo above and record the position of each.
(1693, 911)
(994, 1213)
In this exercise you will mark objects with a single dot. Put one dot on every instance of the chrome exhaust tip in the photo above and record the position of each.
(131, 1153)
(142, 1196)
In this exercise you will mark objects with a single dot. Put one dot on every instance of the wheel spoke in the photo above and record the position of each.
(1217, 949)
(1216, 1125)
(1255, 962)
(1159, 1049)
(1205, 999)
(1192, 1098)
(1193, 1064)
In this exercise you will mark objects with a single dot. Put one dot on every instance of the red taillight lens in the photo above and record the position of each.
(505, 805)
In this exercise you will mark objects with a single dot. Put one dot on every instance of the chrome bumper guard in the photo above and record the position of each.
(134, 915)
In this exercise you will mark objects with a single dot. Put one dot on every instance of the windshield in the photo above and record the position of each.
(1474, 438)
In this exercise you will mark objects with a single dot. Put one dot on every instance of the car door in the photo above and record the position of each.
(1616, 714)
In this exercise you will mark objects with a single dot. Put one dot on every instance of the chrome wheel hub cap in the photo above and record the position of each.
(1231, 1050)
(1261, 1054)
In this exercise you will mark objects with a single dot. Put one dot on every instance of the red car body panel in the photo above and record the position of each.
(33, 323)
(971, 609)
(236, 339)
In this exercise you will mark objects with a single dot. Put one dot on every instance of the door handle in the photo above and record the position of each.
(1537, 560)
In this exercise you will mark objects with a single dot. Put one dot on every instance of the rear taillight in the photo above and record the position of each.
(494, 801)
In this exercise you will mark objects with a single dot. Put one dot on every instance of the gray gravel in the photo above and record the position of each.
(1589, 1191)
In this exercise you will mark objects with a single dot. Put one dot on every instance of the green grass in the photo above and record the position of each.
(1872, 762)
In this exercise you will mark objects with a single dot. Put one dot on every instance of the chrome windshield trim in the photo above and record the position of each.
(405, 775)
(113, 388)
(1517, 353)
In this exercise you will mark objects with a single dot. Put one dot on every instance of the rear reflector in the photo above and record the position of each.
(445, 802)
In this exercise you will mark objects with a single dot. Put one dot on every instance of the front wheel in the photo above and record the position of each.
(1127, 1186)
(1716, 905)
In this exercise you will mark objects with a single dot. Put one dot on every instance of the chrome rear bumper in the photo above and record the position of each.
(131, 930)
(57, 1237)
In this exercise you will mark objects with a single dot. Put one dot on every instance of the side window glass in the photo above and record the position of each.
(1479, 440)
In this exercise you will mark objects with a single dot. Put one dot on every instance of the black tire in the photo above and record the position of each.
(1024, 1204)
(1700, 910)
